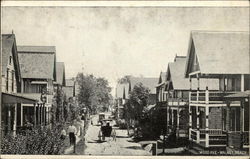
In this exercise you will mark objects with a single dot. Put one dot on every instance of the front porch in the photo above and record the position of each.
(178, 117)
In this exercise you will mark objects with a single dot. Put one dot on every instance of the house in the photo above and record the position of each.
(177, 94)
(69, 88)
(38, 72)
(223, 56)
(11, 99)
(124, 88)
(237, 130)
(60, 75)
(160, 89)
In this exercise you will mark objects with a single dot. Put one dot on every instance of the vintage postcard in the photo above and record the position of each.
(125, 79)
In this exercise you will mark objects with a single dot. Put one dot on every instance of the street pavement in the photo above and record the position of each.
(122, 146)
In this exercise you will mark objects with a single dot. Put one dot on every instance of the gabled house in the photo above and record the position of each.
(60, 75)
(177, 88)
(38, 71)
(11, 115)
(69, 88)
(223, 56)
(161, 89)
(124, 88)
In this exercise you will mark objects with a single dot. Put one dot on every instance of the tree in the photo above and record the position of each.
(94, 93)
(136, 104)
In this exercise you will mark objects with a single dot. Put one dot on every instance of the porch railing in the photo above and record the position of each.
(216, 137)
(211, 96)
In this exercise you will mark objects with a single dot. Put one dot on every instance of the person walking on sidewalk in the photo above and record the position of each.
(72, 133)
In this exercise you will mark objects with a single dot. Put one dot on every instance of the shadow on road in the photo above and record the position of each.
(134, 147)
(96, 141)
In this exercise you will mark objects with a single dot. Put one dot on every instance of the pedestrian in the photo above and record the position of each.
(72, 133)
(63, 134)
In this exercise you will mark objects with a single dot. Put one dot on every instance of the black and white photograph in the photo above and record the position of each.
(125, 78)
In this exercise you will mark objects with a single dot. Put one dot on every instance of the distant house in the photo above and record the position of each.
(11, 114)
(38, 72)
(69, 88)
(124, 88)
(223, 56)
(60, 75)
(161, 89)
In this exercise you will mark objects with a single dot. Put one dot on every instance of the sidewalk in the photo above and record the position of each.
(79, 142)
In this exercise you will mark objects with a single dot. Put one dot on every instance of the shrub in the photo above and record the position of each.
(36, 141)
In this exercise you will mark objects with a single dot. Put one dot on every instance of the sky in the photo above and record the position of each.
(112, 42)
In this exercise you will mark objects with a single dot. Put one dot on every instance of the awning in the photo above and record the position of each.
(14, 98)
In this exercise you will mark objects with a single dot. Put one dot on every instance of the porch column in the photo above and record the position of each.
(242, 122)
(207, 121)
(172, 120)
(34, 114)
(43, 113)
(167, 119)
(178, 121)
(189, 109)
(21, 115)
(198, 124)
(242, 83)
(228, 120)
(190, 121)
(38, 113)
(15, 120)
(9, 118)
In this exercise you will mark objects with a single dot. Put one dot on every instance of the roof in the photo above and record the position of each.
(240, 95)
(221, 52)
(8, 42)
(162, 78)
(17, 98)
(60, 73)
(37, 64)
(39, 49)
(147, 82)
(70, 83)
(176, 70)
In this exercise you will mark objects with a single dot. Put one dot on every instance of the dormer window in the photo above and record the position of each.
(10, 60)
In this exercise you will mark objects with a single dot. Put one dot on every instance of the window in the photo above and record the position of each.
(10, 60)
(7, 80)
(13, 80)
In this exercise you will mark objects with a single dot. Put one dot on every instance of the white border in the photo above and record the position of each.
(243, 3)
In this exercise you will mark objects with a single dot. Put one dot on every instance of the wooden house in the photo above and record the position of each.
(69, 88)
(11, 99)
(237, 129)
(161, 98)
(223, 56)
(38, 71)
(124, 88)
(177, 96)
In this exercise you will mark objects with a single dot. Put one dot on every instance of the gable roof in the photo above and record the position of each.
(220, 52)
(179, 81)
(176, 70)
(162, 79)
(8, 45)
(37, 61)
(146, 81)
(126, 87)
(60, 73)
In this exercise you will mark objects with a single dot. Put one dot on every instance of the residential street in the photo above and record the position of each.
(122, 146)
